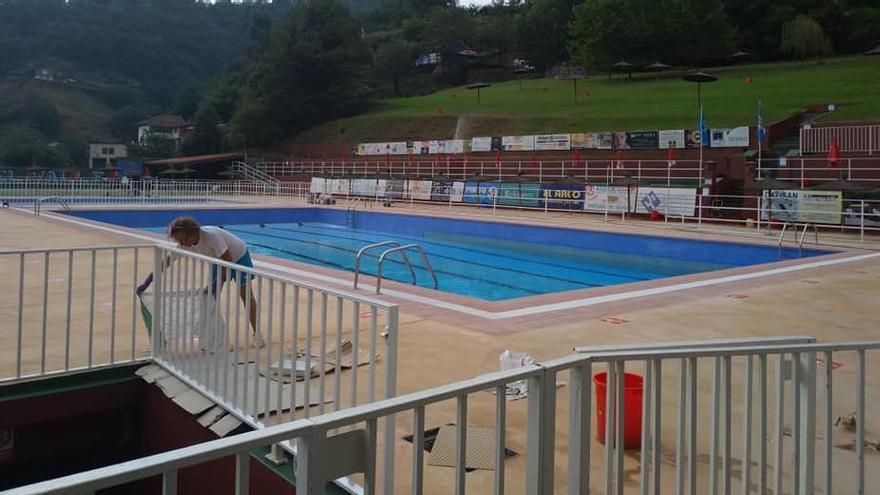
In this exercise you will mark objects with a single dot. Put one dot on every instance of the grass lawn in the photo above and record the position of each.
(645, 103)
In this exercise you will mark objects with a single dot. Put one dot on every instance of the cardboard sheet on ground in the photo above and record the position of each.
(249, 370)
(480, 448)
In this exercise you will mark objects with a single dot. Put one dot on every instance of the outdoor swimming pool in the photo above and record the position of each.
(487, 260)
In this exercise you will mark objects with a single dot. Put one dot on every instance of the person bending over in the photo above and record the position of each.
(216, 243)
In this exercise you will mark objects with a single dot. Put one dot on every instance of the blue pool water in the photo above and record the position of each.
(488, 260)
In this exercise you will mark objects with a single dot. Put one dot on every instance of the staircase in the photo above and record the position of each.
(790, 144)
(253, 174)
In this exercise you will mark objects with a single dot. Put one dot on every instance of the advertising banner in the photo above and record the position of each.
(421, 147)
(553, 142)
(318, 185)
(642, 140)
(398, 148)
(340, 186)
(419, 189)
(457, 192)
(596, 197)
(673, 201)
(802, 206)
(440, 190)
(455, 146)
(481, 144)
(867, 215)
(671, 139)
(592, 140)
(480, 192)
(518, 143)
(497, 144)
(395, 189)
(737, 137)
(562, 196)
(518, 194)
(363, 187)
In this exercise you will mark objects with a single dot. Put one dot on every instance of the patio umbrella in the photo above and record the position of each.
(171, 171)
(623, 64)
(656, 68)
(873, 51)
(740, 55)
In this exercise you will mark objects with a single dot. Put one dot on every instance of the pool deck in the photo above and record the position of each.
(444, 338)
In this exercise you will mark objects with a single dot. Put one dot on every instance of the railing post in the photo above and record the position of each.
(157, 330)
(308, 462)
(807, 441)
(391, 330)
(540, 435)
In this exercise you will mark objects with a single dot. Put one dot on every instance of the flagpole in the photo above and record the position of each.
(702, 138)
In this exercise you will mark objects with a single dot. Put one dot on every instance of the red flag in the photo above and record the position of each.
(576, 156)
(465, 159)
(147, 172)
(534, 160)
(619, 160)
(498, 156)
(670, 157)
(833, 153)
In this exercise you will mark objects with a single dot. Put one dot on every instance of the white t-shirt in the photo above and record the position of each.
(214, 241)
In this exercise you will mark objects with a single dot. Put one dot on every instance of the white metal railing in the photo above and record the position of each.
(87, 191)
(460, 168)
(771, 396)
(686, 206)
(70, 309)
(75, 309)
(855, 138)
(812, 170)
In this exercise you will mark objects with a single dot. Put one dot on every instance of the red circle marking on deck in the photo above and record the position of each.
(366, 314)
(736, 296)
(613, 320)
(834, 364)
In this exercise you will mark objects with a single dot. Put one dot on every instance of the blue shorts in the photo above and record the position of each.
(240, 277)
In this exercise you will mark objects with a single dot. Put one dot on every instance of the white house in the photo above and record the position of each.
(171, 127)
(103, 154)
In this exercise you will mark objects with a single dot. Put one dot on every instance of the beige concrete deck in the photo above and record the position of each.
(835, 303)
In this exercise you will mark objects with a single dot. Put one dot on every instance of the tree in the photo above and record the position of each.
(153, 145)
(123, 123)
(803, 38)
(543, 32)
(393, 61)
(186, 102)
(40, 115)
(315, 70)
(206, 137)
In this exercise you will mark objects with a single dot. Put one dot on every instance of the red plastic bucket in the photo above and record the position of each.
(632, 409)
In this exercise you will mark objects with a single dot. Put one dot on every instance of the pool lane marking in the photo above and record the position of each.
(529, 311)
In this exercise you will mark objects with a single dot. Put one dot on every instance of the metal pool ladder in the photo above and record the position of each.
(799, 239)
(394, 247)
(38, 204)
(349, 212)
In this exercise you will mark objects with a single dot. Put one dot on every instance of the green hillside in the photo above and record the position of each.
(645, 102)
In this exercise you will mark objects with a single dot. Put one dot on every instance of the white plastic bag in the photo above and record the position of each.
(511, 360)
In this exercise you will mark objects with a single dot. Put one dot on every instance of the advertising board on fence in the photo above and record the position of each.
(517, 194)
(673, 201)
(419, 189)
(553, 142)
(479, 144)
(802, 206)
(318, 185)
(642, 140)
(598, 198)
(480, 192)
(518, 143)
(671, 139)
(592, 140)
(562, 196)
(737, 137)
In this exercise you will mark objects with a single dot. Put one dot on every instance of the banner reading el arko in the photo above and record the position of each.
(562, 196)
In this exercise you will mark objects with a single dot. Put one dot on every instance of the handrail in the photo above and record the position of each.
(361, 251)
(402, 249)
(782, 234)
(38, 204)
(803, 236)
